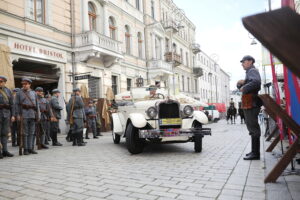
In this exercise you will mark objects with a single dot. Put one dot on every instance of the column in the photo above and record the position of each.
(153, 46)
(85, 17)
(105, 20)
(162, 48)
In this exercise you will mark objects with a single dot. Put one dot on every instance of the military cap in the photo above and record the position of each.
(27, 80)
(16, 90)
(247, 57)
(76, 90)
(47, 96)
(3, 78)
(39, 89)
(55, 91)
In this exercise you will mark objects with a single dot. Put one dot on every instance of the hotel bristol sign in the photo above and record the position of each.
(36, 50)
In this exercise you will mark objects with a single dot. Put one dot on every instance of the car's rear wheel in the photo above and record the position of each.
(134, 144)
(197, 138)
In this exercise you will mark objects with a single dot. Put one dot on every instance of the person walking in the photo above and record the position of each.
(55, 116)
(6, 115)
(251, 104)
(27, 112)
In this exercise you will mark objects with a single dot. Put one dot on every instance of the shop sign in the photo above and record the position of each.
(77, 78)
(36, 50)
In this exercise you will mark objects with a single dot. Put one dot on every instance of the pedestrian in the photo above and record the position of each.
(14, 124)
(91, 116)
(55, 116)
(6, 115)
(76, 117)
(251, 104)
(27, 112)
(45, 115)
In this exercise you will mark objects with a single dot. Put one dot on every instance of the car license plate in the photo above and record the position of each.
(170, 121)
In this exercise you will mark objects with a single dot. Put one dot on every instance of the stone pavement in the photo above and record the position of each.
(103, 170)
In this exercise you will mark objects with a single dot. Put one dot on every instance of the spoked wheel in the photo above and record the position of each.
(134, 144)
(197, 138)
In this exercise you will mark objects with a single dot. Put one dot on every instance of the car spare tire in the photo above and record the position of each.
(134, 144)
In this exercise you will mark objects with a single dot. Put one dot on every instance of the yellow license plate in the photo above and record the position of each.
(171, 121)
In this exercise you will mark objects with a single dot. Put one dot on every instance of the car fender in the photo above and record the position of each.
(200, 117)
(117, 124)
(138, 120)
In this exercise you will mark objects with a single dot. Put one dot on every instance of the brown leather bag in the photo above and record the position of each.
(247, 101)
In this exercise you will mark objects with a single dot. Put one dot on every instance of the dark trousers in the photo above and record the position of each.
(14, 133)
(4, 127)
(53, 131)
(251, 120)
(29, 131)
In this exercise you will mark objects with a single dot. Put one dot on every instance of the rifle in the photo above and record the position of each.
(20, 135)
(72, 110)
(38, 135)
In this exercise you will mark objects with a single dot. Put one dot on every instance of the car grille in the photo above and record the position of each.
(169, 110)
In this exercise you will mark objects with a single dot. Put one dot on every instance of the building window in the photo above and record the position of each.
(37, 10)
(157, 48)
(196, 86)
(114, 84)
(188, 84)
(92, 16)
(140, 44)
(152, 9)
(181, 55)
(112, 28)
(187, 58)
(174, 48)
(127, 39)
(129, 84)
(137, 4)
(167, 45)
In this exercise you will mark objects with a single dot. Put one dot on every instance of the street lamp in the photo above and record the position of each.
(252, 38)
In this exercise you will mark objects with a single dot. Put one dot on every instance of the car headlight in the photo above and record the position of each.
(151, 112)
(188, 110)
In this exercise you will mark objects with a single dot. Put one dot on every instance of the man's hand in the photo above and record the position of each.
(241, 82)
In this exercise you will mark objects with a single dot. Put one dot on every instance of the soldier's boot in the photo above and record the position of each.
(255, 155)
(87, 134)
(99, 132)
(32, 151)
(252, 145)
(7, 154)
(80, 141)
(44, 146)
(75, 138)
(26, 152)
(1, 156)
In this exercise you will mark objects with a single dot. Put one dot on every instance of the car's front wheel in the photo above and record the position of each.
(134, 144)
(116, 137)
(197, 138)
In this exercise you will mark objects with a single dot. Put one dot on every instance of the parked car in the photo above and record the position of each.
(142, 117)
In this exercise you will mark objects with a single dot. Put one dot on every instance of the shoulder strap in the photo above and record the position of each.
(27, 97)
(4, 94)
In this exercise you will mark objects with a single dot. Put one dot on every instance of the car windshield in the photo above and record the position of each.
(142, 93)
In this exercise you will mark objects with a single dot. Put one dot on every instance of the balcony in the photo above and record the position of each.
(159, 68)
(171, 25)
(93, 45)
(198, 72)
(173, 57)
(195, 48)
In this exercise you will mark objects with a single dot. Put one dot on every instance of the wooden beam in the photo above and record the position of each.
(272, 134)
(278, 31)
(273, 144)
(283, 163)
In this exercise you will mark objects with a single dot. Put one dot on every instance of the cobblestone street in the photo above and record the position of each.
(103, 170)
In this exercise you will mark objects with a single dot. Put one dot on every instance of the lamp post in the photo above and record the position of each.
(210, 80)
(253, 42)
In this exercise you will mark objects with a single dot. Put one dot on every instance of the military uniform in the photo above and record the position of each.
(45, 116)
(55, 114)
(27, 108)
(76, 117)
(6, 111)
(91, 115)
(14, 125)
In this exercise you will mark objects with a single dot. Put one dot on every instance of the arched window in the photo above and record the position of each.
(112, 28)
(127, 39)
(92, 16)
(140, 44)
(174, 48)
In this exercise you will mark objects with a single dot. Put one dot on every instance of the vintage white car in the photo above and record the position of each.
(159, 118)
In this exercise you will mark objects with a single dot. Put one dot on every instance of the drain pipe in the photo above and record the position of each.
(72, 7)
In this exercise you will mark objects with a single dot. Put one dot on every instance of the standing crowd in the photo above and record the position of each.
(33, 118)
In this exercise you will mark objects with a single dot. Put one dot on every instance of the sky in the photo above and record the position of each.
(219, 30)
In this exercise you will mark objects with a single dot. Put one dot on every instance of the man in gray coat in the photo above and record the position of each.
(251, 104)
(6, 112)
(91, 115)
(28, 113)
(55, 113)
(14, 125)
(76, 117)
(45, 116)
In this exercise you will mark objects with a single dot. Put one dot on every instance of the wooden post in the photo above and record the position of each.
(273, 144)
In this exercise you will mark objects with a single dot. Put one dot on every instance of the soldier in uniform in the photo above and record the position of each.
(14, 125)
(251, 104)
(55, 114)
(27, 112)
(91, 116)
(48, 138)
(6, 115)
(98, 119)
(45, 115)
(76, 117)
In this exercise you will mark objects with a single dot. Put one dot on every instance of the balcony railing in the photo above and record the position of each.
(171, 25)
(98, 40)
(197, 71)
(173, 57)
(160, 65)
(195, 48)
